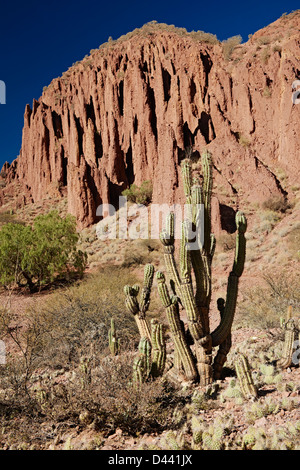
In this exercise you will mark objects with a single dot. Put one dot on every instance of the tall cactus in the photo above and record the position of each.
(196, 299)
(191, 283)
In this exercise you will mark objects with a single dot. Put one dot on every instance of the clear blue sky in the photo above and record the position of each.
(39, 40)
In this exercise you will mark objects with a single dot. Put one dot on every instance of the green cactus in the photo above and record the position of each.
(113, 341)
(158, 349)
(244, 375)
(191, 285)
(139, 308)
(151, 360)
(291, 329)
(142, 363)
(196, 299)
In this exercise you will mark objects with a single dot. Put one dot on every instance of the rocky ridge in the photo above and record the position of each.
(126, 112)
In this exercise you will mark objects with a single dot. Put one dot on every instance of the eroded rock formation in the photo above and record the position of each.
(126, 113)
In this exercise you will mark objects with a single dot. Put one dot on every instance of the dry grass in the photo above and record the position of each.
(263, 305)
(293, 242)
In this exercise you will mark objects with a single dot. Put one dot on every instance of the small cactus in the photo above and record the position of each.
(113, 341)
(244, 375)
(142, 363)
(290, 331)
(158, 349)
(152, 355)
(139, 308)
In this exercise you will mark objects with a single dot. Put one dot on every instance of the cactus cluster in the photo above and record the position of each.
(194, 358)
(188, 285)
(210, 436)
(151, 360)
(276, 438)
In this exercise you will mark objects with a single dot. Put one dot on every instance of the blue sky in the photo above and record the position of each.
(40, 40)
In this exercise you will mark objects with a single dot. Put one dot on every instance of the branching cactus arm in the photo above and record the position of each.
(158, 349)
(180, 343)
(139, 309)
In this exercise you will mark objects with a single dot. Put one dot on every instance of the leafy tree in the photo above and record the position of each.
(39, 254)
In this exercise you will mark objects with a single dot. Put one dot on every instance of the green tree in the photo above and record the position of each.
(39, 254)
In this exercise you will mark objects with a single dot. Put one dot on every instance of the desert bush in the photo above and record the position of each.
(267, 221)
(243, 140)
(153, 27)
(267, 93)
(76, 319)
(229, 46)
(139, 195)
(276, 204)
(226, 241)
(264, 305)
(59, 361)
(263, 40)
(69, 325)
(204, 37)
(37, 255)
(146, 408)
(265, 55)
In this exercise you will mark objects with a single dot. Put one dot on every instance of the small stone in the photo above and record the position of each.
(261, 422)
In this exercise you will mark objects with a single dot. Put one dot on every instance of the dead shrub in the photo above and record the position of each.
(229, 45)
(276, 204)
(226, 241)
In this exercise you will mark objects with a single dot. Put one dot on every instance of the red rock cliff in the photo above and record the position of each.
(125, 114)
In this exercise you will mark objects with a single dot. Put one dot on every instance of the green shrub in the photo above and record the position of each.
(39, 254)
(139, 195)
